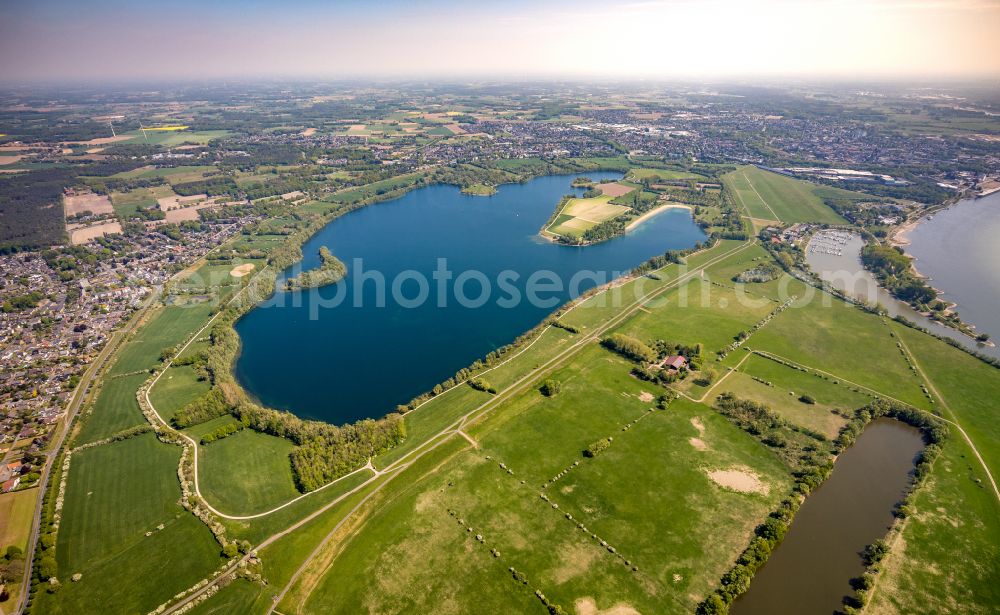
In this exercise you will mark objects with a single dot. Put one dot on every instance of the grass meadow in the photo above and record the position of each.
(116, 408)
(770, 196)
(247, 472)
(116, 493)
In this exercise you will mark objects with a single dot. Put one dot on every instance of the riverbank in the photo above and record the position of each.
(956, 249)
(843, 270)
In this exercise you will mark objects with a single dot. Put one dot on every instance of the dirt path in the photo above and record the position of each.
(471, 440)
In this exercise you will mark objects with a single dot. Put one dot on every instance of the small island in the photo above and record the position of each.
(330, 271)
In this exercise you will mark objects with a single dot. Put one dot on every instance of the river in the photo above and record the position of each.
(359, 359)
(836, 257)
(959, 250)
(811, 569)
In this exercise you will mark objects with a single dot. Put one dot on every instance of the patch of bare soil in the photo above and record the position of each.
(241, 270)
(614, 189)
(698, 443)
(84, 234)
(587, 606)
(574, 561)
(741, 481)
(308, 132)
(646, 397)
(174, 202)
(94, 203)
(697, 424)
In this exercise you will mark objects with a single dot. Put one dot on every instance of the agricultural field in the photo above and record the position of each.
(115, 408)
(578, 215)
(377, 188)
(16, 511)
(177, 387)
(167, 327)
(769, 196)
(173, 138)
(655, 175)
(247, 472)
(174, 175)
(126, 204)
(116, 494)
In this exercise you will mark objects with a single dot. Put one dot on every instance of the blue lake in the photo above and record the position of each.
(337, 355)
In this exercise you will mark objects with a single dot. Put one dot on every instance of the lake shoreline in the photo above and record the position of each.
(653, 212)
(484, 235)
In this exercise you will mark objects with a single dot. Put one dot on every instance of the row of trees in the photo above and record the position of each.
(629, 347)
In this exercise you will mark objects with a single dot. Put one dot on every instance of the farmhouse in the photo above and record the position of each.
(11, 484)
(674, 362)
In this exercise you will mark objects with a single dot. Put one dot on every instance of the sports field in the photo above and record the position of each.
(769, 196)
(578, 215)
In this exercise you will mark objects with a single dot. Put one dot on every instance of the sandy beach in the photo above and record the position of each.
(652, 212)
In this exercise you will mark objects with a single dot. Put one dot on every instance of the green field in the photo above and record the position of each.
(175, 138)
(956, 516)
(655, 175)
(247, 472)
(770, 196)
(176, 388)
(168, 327)
(178, 174)
(115, 409)
(375, 189)
(126, 204)
(116, 493)
(16, 511)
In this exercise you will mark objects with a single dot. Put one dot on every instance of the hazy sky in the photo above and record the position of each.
(45, 40)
